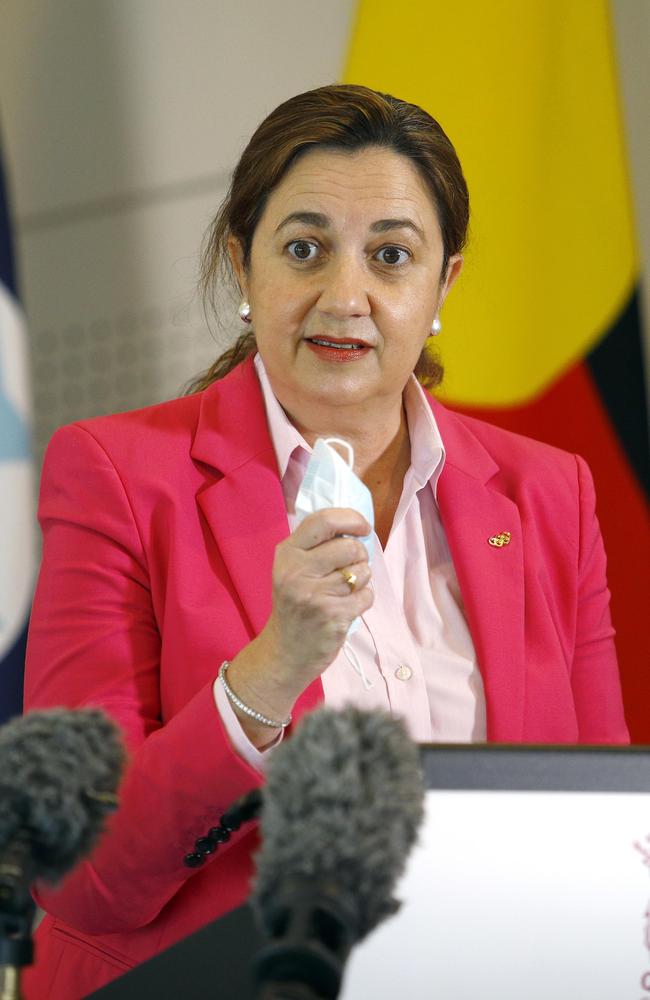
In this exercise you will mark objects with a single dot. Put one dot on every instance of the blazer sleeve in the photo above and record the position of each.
(94, 640)
(594, 678)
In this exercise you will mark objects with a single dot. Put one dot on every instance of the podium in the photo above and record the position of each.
(531, 878)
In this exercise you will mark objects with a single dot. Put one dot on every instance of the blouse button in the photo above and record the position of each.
(403, 672)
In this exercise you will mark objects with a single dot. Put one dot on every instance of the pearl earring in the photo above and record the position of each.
(436, 327)
(245, 312)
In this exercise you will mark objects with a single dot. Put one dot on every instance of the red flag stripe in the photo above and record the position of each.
(572, 416)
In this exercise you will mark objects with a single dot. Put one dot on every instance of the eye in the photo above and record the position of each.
(302, 249)
(393, 255)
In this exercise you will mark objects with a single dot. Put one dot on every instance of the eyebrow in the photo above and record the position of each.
(322, 222)
(385, 226)
(307, 218)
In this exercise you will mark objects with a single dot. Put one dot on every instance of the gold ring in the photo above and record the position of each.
(350, 579)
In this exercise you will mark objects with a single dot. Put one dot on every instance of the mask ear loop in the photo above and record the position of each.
(346, 447)
(355, 663)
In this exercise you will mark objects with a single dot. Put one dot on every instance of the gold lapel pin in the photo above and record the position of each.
(498, 541)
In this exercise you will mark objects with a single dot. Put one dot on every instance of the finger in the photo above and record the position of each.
(342, 610)
(357, 604)
(365, 600)
(336, 584)
(331, 556)
(324, 525)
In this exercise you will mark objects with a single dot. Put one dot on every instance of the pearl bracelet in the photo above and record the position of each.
(246, 708)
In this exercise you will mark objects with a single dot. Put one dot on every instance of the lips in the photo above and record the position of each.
(339, 345)
(337, 350)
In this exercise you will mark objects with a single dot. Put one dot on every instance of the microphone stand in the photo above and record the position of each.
(17, 911)
(287, 991)
(310, 931)
(16, 950)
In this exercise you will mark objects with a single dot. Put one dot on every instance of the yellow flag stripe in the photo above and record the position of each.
(527, 93)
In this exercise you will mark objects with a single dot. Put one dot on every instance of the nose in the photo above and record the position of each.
(344, 294)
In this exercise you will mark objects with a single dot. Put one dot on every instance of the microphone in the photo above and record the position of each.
(59, 772)
(342, 805)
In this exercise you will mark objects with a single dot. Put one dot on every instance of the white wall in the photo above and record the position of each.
(121, 120)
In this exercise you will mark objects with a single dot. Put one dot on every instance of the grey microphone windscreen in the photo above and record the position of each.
(59, 771)
(342, 805)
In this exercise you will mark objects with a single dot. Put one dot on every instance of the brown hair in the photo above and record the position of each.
(341, 117)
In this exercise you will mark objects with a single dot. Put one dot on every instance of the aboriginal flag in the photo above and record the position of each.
(16, 483)
(542, 334)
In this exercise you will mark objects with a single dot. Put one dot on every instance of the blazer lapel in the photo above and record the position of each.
(491, 578)
(243, 504)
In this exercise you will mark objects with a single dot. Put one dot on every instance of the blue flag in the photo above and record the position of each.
(16, 479)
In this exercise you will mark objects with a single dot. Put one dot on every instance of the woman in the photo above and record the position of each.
(171, 542)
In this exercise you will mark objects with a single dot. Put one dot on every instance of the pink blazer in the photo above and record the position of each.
(159, 533)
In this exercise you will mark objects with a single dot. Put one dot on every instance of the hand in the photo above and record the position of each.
(313, 609)
(313, 606)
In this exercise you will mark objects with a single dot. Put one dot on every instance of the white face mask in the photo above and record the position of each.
(330, 481)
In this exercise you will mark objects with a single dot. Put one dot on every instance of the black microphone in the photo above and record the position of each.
(341, 809)
(59, 772)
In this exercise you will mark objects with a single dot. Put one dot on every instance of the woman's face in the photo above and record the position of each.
(344, 278)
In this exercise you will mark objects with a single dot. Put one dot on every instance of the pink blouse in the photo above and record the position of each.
(414, 642)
